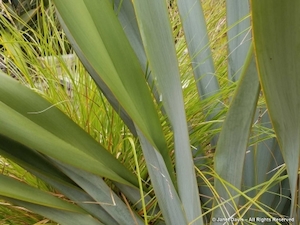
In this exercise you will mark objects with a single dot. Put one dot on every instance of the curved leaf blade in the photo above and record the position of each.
(109, 53)
(31, 113)
(276, 32)
(233, 140)
(103, 196)
(23, 192)
(62, 217)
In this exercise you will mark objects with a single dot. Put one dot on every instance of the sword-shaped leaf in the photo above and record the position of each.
(276, 31)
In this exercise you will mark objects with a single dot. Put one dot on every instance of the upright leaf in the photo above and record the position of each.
(127, 18)
(198, 45)
(166, 194)
(233, 140)
(196, 34)
(276, 32)
(155, 28)
(239, 36)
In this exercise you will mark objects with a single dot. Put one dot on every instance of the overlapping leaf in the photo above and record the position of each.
(233, 141)
(55, 134)
(277, 37)
(110, 55)
(157, 38)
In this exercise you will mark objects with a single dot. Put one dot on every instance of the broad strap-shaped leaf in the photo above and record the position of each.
(55, 134)
(165, 192)
(98, 80)
(156, 32)
(196, 35)
(62, 217)
(103, 196)
(276, 32)
(30, 159)
(17, 142)
(198, 45)
(127, 18)
(47, 170)
(20, 130)
(18, 190)
(239, 36)
(263, 159)
(233, 141)
(265, 155)
(79, 197)
(109, 54)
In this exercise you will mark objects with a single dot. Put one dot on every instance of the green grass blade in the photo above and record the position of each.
(109, 53)
(239, 36)
(157, 37)
(233, 140)
(277, 35)
(196, 35)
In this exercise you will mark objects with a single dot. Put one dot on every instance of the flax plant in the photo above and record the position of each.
(153, 112)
